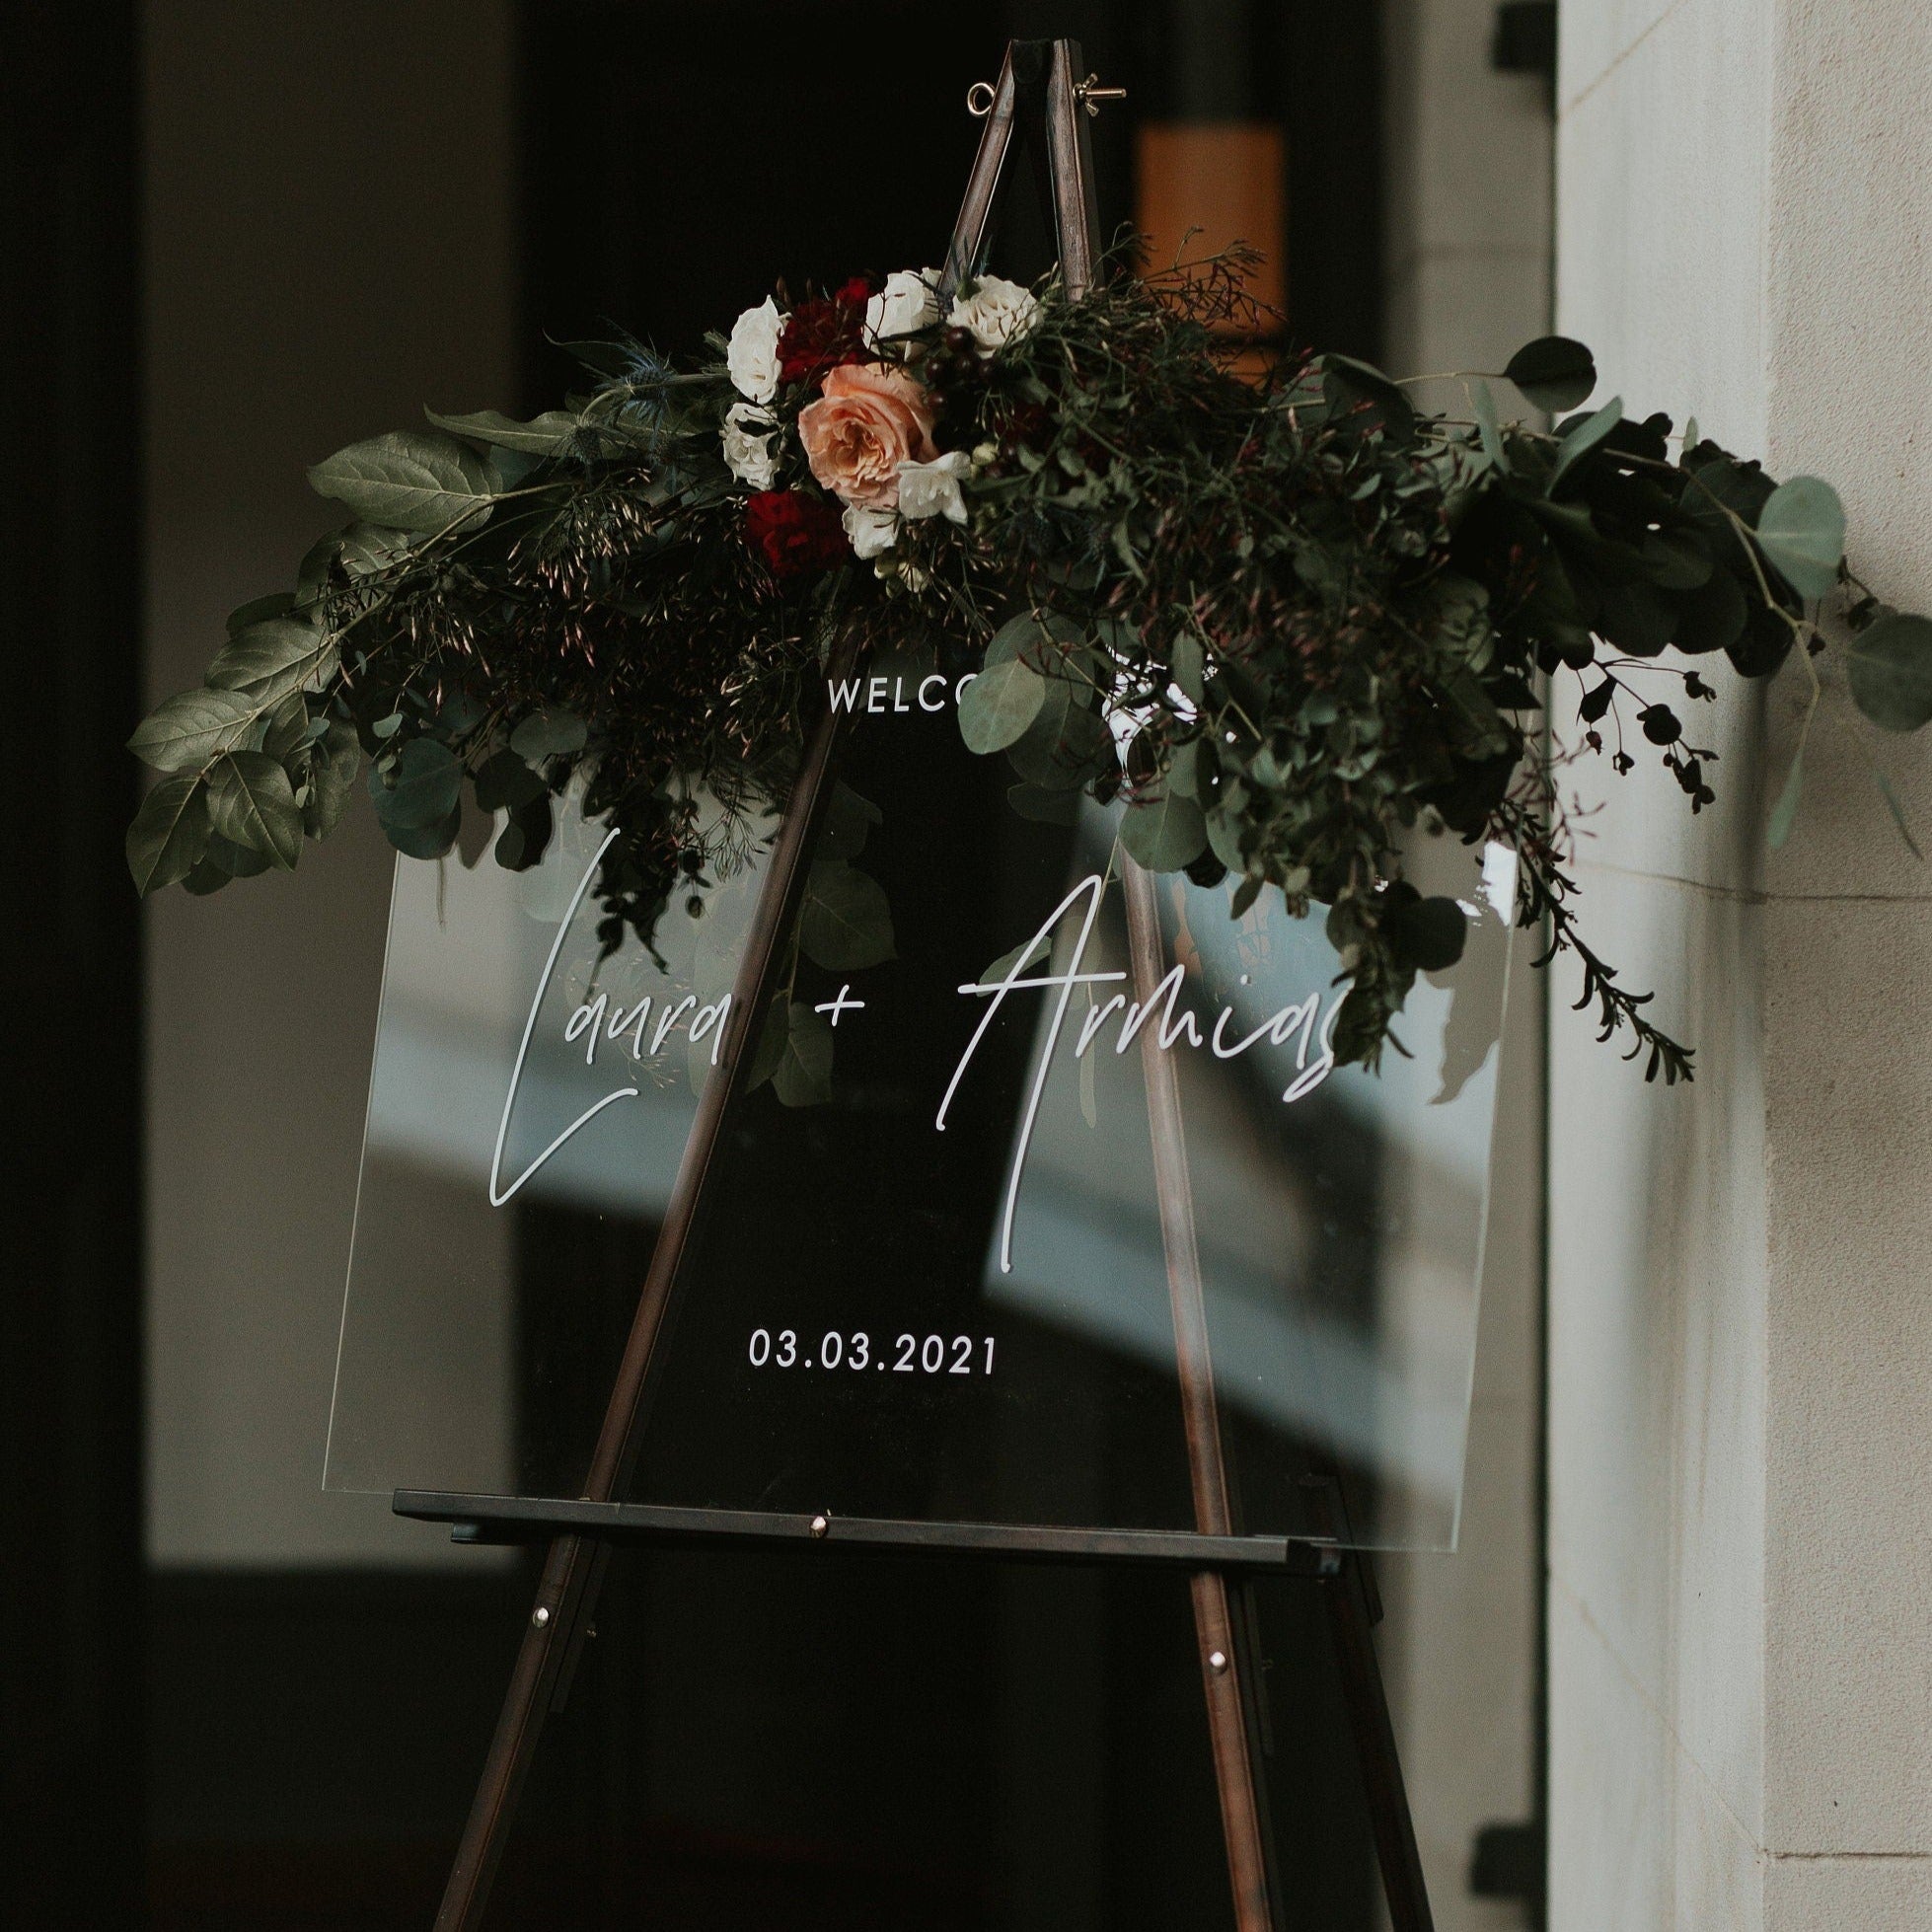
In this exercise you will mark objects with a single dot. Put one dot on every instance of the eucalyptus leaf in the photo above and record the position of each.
(1802, 530)
(845, 923)
(770, 1049)
(252, 803)
(1017, 962)
(504, 782)
(997, 707)
(1166, 833)
(170, 832)
(554, 734)
(420, 787)
(408, 480)
(1554, 372)
(803, 1075)
(425, 840)
(1045, 804)
(1188, 667)
(1888, 666)
(186, 730)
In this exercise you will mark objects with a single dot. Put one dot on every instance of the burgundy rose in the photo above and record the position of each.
(795, 533)
(824, 333)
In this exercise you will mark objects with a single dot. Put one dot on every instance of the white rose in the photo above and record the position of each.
(872, 532)
(747, 436)
(753, 357)
(995, 313)
(933, 489)
(905, 304)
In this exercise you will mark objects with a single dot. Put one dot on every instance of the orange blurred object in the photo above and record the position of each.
(1224, 180)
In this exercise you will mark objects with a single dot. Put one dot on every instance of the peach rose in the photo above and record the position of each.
(870, 418)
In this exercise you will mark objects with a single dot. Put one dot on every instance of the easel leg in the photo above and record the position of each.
(1352, 1614)
(1232, 1739)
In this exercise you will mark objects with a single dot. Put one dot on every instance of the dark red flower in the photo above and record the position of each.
(825, 332)
(795, 533)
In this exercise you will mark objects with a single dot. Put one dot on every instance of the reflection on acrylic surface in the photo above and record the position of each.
(904, 1298)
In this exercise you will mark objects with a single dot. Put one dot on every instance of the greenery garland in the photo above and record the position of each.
(1284, 619)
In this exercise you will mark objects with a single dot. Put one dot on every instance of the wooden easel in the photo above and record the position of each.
(1038, 100)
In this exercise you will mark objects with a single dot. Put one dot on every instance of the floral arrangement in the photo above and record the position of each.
(1285, 620)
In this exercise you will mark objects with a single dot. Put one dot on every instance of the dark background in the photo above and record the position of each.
(866, 1745)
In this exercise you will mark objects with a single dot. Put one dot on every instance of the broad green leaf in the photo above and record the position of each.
(550, 434)
(845, 922)
(408, 480)
(1554, 372)
(270, 659)
(997, 707)
(192, 727)
(365, 548)
(1888, 667)
(803, 1076)
(418, 789)
(1165, 834)
(169, 835)
(278, 603)
(1784, 813)
(252, 803)
(1580, 440)
(288, 728)
(1802, 530)
(550, 734)
(238, 862)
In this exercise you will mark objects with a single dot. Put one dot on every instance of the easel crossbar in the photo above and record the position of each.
(476, 1519)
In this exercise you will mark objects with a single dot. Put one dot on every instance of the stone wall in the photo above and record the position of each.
(1740, 1274)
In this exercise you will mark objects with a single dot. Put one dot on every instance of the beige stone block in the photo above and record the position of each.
(1848, 1652)
(1656, 1327)
(1848, 1894)
(1672, 306)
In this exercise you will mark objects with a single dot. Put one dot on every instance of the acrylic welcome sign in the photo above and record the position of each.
(928, 1280)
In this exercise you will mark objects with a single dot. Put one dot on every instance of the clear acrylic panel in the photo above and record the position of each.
(941, 1290)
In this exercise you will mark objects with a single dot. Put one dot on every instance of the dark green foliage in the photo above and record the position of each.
(1322, 614)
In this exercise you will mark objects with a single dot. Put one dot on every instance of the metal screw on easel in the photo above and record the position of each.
(540, 1616)
(1090, 94)
(1217, 1661)
(821, 1525)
